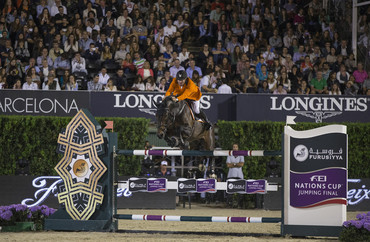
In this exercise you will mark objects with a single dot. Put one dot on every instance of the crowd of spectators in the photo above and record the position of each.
(234, 46)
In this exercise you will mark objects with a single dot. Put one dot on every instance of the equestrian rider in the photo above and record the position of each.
(183, 88)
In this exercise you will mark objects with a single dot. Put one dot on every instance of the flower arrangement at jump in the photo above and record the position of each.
(357, 230)
(19, 217)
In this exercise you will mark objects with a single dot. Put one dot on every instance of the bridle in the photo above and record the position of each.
(171, 116)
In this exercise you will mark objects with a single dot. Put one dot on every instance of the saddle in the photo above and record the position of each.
(193, 115)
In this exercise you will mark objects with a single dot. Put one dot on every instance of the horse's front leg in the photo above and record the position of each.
(184, 144)
(171, 140)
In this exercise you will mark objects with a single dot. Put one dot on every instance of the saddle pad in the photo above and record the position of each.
(192, 114)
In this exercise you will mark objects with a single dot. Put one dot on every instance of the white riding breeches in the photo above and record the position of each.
(195, 106)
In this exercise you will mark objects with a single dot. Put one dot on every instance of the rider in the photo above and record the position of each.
(183, 88)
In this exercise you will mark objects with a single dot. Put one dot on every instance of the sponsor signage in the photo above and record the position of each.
(256, 186)
(307, 108)
(315, 162)
(140, 104)
(318, 188)
(236, 186)
(318, 171)
(46, 103)
(147, 185)
(137, 184)
(206, 185)
(358, 195)
(246, 186)
(186, 185)
(42, 190)
(35, 191)
(125, 104)
(157, 185)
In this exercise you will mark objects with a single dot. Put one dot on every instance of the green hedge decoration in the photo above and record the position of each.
(267, 136)
(34, 138)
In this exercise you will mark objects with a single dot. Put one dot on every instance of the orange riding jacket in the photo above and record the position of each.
(188, 91)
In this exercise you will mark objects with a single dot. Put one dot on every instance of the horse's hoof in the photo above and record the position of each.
(174, 142)
(184, 146)
(171, 144)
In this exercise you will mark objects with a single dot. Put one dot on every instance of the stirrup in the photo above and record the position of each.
(207, 125)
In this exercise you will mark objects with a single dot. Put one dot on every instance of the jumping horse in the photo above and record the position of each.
(177, 125)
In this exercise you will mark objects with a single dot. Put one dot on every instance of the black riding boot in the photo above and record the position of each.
(203, 116)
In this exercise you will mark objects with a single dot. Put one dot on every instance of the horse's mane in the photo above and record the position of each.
(166, 104)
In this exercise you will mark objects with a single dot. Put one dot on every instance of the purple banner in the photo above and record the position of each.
(255, 186)
(157, 185)
(206, 185)
(318, 188)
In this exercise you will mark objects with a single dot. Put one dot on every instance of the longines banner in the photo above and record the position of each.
(36, 191)
(249, 107)
(140, 104)
(307, 108)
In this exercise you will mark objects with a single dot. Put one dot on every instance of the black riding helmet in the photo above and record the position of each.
(181, 75)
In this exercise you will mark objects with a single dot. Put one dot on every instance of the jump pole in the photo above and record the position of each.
(197, 218)
(201, 152)
(215, 153)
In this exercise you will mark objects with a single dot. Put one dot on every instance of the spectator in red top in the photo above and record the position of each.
(146, 71)
(8, 7)
(299, 17)
(127, 64)
(217, 3)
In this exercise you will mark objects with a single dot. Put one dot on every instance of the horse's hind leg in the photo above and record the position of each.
(209, 140)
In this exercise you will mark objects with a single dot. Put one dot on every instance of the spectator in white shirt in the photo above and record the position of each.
(79, 64)
(54, 8)
(103, 76)
(169, 29)
(184, 54)
(176, 68)
(121, 20)
(91, 25)
(205, 84)
(224, 88)
(29, 85)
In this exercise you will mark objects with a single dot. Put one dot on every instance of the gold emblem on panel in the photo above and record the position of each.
(80, 168)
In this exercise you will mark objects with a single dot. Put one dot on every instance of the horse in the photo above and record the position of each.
(178, 127)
